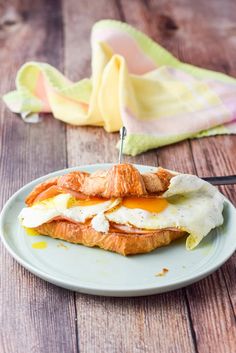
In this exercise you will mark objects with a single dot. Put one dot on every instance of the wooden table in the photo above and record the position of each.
(39, 317)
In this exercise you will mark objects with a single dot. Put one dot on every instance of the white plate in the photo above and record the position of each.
(95, 271)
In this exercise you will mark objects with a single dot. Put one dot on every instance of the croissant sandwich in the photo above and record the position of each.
(122, 210)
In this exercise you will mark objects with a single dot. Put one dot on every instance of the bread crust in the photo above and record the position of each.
(119, 181)
(122, 243)
(122, 180)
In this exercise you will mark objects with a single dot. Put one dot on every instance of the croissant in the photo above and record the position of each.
(120, 181)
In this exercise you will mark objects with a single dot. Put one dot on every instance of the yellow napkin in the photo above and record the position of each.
(135, 83)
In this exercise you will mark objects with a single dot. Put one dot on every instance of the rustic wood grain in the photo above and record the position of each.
(218, 291)
(85, 143)
(145, 324)
(167, 24)
(40, 317)
(89, 144)
(34, 316)
(175, 28)
(92, 145)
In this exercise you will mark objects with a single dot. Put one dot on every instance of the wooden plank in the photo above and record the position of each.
(220, 150)
(195, 37)
(145, 324)
(131, 324)
(85, 145)
(89, 144)
(213, 156)
(35, 316)
(175, 157)
(157, 22)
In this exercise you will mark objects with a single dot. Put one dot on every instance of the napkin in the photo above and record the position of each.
(136, 83)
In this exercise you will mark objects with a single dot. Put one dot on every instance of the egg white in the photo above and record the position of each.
(42, 212)
(82, 213)
(194, 206)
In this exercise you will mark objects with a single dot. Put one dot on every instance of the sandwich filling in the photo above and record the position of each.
(190, 204)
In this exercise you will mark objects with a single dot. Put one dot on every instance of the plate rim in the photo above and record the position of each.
(94, 289)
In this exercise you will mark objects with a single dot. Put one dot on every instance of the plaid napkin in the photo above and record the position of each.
(136, 83)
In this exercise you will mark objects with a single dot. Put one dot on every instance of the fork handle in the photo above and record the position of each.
(221, 180)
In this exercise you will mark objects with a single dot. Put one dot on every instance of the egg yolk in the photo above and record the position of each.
(87, 202)
(156, 204)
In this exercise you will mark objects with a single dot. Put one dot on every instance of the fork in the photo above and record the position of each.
(221, 180)
(216, 180)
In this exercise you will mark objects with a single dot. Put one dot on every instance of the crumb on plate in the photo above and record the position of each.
(61, 245)
(162, 273)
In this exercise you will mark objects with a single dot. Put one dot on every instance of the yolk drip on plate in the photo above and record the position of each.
(31, 232)
(40, 245)
(155, 204)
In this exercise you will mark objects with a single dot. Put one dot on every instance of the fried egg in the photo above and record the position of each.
(44, 211)
(64, 205)
(190, 204)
